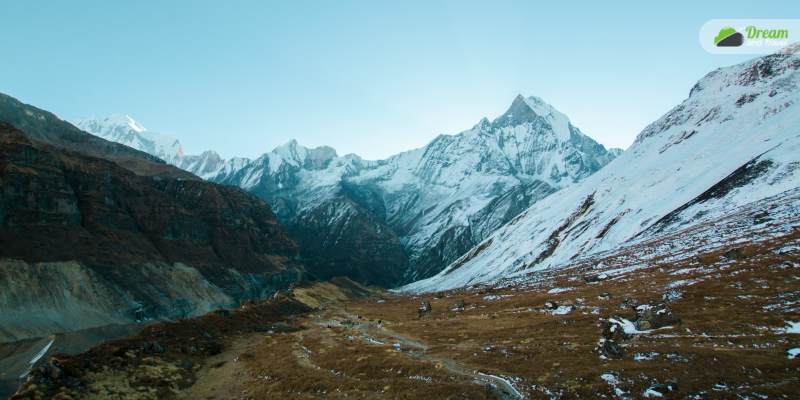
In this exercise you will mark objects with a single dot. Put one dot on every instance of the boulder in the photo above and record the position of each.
(733, 254)
(426, 305)
(459, 304)
(661, 389)
(628, 303)
(51, 371)
(439, 295)
(56, 372)
(761, 218)
(614, 331)
(595, 278)
(604, 296)
(671, 295)
(425, 309)
(145, 346)
(550, 305)
(212, 348)
(612, 350)
(655, 315)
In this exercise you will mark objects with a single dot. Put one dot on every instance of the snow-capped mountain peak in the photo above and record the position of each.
(532, 110)
(164, 145)
(301, 156)
(123, 129)
(103, 125)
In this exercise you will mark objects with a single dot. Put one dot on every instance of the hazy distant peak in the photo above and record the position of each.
(108, 121)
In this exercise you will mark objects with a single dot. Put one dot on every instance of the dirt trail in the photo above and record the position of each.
(506, 390)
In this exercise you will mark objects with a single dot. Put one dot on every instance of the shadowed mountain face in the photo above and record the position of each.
(87, 241)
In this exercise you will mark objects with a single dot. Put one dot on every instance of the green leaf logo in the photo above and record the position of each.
(728, 37)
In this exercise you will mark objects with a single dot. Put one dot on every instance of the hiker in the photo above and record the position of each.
(379, 323)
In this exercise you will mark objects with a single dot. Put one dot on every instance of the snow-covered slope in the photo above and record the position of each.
(440, 200)
(164, 145)
(734, 141)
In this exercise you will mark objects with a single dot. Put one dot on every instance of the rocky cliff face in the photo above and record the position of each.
(85, 241)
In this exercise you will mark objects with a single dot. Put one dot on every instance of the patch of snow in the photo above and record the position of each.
(561, 310)
(794, 327)
(610, 378)
(652, 393)
(793, 353)
(36, 358)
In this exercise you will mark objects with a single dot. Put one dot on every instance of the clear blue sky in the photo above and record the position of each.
(373, 78)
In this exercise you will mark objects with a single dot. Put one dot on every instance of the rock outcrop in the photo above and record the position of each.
(614, 331)
(655, 315)
(425, 309)
(458, 305)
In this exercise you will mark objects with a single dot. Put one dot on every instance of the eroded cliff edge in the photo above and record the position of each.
(86, 241)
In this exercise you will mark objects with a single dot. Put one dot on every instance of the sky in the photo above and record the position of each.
(370, 78)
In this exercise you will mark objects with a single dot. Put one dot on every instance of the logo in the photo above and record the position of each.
(748, 36)
(728, 37)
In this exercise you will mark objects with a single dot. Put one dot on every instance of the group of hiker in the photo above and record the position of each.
(370, 323)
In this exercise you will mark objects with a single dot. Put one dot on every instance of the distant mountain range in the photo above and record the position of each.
(406, 218)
